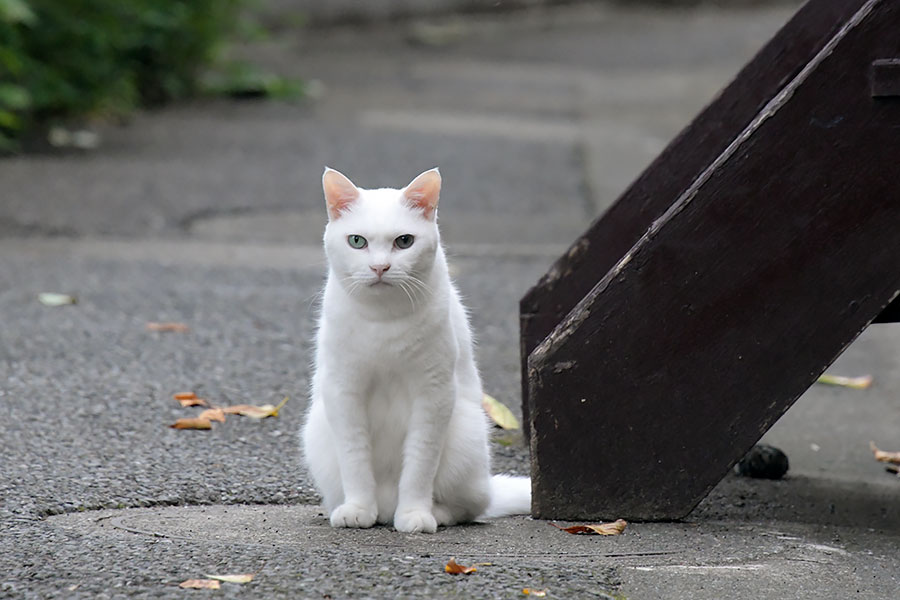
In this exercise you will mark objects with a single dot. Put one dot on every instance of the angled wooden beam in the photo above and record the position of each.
(749, 276)
(614, 233)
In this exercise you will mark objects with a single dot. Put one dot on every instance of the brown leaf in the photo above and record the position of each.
(189, 399)
(193, 423)
(167, 326)
(194, 402)
(255, 412)
(200, 584)
(454, 568)
(242, 578)
(883, 456)
(213, 414)
(614, 528)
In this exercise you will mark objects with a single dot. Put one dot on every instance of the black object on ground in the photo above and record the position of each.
(763, 462)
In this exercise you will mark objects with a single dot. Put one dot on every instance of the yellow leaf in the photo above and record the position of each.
(213, 414)
(255, 412)
(200, 584)
(194, 423)
(242, 578)
(614, 528)
(51, 299)
(531, 592)
(454, 568)
(499, 413)
(882, 456)
(856, 383)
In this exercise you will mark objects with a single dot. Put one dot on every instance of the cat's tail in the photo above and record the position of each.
(510, 495)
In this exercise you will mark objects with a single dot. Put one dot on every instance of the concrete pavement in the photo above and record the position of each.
(210, 214)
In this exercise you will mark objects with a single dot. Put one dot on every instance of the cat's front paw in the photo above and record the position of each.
(353, 515)
(415, 520)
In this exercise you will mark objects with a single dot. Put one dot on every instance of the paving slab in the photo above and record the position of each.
(700, 558)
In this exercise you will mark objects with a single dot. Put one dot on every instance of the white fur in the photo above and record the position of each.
(395, 431)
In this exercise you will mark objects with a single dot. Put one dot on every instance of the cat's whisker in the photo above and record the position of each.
(417, 290)
(353, 282)
(419, 285)
(314, 298)
(404, 285)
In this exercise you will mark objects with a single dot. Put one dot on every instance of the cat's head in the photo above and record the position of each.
(383, 241)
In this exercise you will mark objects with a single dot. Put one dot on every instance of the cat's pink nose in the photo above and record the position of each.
(379, 269)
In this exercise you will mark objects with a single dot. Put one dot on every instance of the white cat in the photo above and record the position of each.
(395, 431)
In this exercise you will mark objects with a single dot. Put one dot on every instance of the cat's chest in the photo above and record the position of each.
(388, 347)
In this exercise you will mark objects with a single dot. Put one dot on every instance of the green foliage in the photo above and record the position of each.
(240, 79)
(67, 58)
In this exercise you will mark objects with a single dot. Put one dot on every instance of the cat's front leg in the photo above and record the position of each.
(421, 457)
(348, 421)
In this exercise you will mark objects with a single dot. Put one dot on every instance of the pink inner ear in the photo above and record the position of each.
(424, 192)
(340, 192)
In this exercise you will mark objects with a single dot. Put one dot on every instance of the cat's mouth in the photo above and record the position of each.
(379, 283)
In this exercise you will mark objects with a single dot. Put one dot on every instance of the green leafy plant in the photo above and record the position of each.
(62, 59)
(240, 79)
(14, 97)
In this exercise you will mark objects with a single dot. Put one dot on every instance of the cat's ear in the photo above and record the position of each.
(424, 191)
(340, 192)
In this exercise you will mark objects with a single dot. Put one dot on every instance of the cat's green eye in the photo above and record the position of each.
(404, 241)
(357, 241)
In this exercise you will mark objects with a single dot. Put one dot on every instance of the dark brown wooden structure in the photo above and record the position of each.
(724, 281)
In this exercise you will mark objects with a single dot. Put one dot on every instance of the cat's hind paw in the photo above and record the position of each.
(352, 515)
(415, 520)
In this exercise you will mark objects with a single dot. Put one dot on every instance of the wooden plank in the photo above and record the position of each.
(886, 78)
(615, 232)
(736, 299)
(891, 314)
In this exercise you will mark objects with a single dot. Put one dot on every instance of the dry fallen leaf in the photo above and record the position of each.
(167, 326)
(200, 584)
(614, 528)
(189, 399)
(255, 412)
(51, 299)
(499, 413)
(193, 402)
(213, 414)
(242, 578)
(531, 592)
(886, 457)
(856, 383)
(191, 423)
(454, 568)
